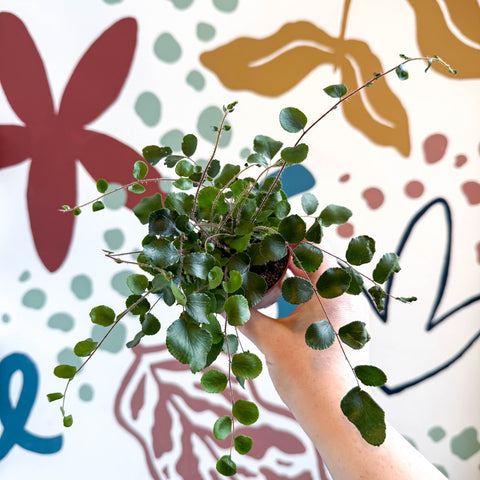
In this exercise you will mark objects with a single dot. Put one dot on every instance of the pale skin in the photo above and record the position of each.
(312, 383)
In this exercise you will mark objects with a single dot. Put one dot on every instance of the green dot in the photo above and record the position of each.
(173, 139)
(67, 357)
(244, 152)
(465, 444)
(115, 340)
(6, 318)
(165, 186)
(85, 392)
(118, 283)
(225, 5)
(167, 49)
(437, 433)
(111, 2)
(81, 286)
(148, 108)
(115, 200)
(114, 238)
(61, 321)
(34, 298)
(182, 4)
(196, 80)
(205, 31)
(24, 276)
(208, 118)
(442, 469)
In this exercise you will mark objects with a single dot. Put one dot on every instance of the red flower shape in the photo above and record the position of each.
(54, 141)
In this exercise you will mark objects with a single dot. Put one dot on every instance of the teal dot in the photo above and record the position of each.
(118, 282)
(173, 139)
(225, 5)
(442, 469)
(205, 31)
(34, 298)
(6, 318)
(196, 80)
(165, 186)
(465, 444)
(111, 2)
(208, 118)
(114, 238)
(182, 4)
(437, 433)
(148, 108)
(24, 276)
(115, 200)
(85, 392)
(244, 152)
(67, 357)
(115, 340)
(167, 49)
(61, 321)
(81, 286)
(410, 441)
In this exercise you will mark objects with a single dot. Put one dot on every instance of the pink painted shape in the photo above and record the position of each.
(344, 178)
(460, 160)
(472, 192)
(345, 230)
(374, 197)
(414, 189)
(434, 147)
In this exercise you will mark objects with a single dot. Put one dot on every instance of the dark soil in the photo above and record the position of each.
(271, 271)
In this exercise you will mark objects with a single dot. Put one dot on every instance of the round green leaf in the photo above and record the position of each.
(309, 203)
(140, 170)
(246, 365)
(136, 340)
(161, 253)
(97, 206)
(183, 184)
(184, 168)
(102, 315)
(296, 290)
(378, 296)
(137, 283)
(294, 155)
(266, 146)
(282, 209)
(67, 421)
(402, 72)
(198, 307)
(150, 324)
(360, 408)
(207, 197)
(292, 229)
(356, 283)
(226, 466)
(354, 334)
(370, 375)
(136, 188)
(102, 185)
(334, 215)
(189, 145)
(257, 158)
(222, 427)
(314, 233)
(243, 444)
(237, 310)
(52, 397)
(84, 348)
(178, 294)
(230, 344)
(245, 412)
(65, 371)
(360, 250)
(213, 381)
(292, 119)
(320, 335)
(146, 206)
(333, 282)
(387, 265)
(214, 277)
(273, 247)
(153, 153)
(198, 264)
(228, 172)
(142, 307)
(233, 283)
(255, 288)
(307, 256)
(336, 91)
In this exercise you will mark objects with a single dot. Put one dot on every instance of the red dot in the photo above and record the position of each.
(414, 189)
(472, 192)
(344, 178)
(478, 252)
(374, 197)
(345, 230)
(460, 160)
(434, 147)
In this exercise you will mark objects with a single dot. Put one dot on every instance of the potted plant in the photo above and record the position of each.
(220, 244)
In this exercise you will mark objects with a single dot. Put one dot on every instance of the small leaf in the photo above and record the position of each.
(54, 396)
(65, 371)
(401, 72)
(228, 172)
(387, 265)
(189, 145)
(292, 229)
(184, 168)
(359, 407)
(102, 185)
(246, 365)
(266, 146)
(230, 344)
(294, 155)
(336, 91)
(97, 206)
(273, 247)
(314, 233)
(84, 348)
(296, 290)
(255, 287)
(243, 444)
(177, 293)
(356, 282)
(137, 283)
(172, 160)
(407, 299)
(309, 203)
(282, 209)
(153, 153)
(102, 315)
(146, 206)
(142, 304)
(226, 466)
(334, 215)
(136, 340)
(233, 283)
(378, 296)
(198, 307)
(183, 184)
(140, 170)
(292, 119)
(370, 375)
(179, 202)
(245, 412)
(257, 158)
(214, 277)
(136, 188)
(333, 282)
(237, 310)
(150, 324)
(320, 335)
(430, 61)
(360, 250)
(307, 256)
(354, 334)
(76, 211)
(214, 381)
(161, 253)
(222, 427)
(67, 421)
(198, 264)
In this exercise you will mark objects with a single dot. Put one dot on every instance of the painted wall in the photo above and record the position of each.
(85, 85)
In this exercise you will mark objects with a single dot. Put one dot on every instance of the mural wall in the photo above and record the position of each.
(85, 85)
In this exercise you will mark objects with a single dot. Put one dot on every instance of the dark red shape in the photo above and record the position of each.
(54, 141)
